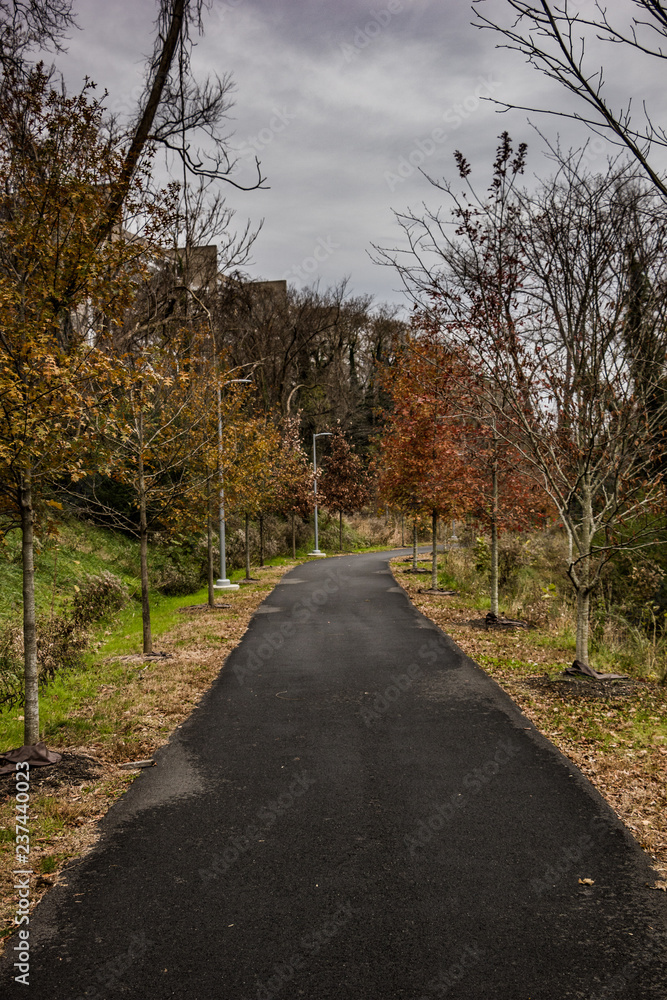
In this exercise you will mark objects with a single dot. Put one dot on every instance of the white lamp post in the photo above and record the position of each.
(316, 550)
(223, 583)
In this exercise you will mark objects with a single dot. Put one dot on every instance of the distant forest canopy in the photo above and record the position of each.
(318, 353)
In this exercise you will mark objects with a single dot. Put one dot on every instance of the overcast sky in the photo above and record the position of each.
(342, 101)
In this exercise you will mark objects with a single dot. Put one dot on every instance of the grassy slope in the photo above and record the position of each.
(78, 550)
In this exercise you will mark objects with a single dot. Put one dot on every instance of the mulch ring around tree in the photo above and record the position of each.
(501, 624)
(584, 689)
(218, 606)
(438, 591)
(72, 769)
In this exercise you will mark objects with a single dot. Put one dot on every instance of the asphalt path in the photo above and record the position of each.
(354, 810)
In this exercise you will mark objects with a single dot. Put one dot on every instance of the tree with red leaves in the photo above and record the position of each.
(423, 467)
(346, 485)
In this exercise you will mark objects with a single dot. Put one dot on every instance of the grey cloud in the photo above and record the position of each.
(331, 119)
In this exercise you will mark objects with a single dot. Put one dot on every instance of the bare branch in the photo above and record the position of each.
(553, 38)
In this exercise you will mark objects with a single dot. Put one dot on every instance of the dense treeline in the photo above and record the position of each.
(143, 376)
(149, 383)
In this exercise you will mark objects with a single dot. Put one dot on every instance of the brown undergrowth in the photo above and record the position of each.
(615, 732)
(126, 722)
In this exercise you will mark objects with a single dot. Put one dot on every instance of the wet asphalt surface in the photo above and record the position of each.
(354, 810)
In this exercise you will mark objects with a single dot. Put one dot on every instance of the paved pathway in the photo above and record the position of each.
(355, 810)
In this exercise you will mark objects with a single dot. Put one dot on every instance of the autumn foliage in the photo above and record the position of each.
(345, 484)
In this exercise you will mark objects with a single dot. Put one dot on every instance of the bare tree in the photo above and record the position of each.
(558, 301)
(557, 38)
(320, 350)
(175, 111)
(29, 24)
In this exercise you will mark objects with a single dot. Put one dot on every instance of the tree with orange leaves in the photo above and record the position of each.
(423, 466)
(61, 289)
(452, 460)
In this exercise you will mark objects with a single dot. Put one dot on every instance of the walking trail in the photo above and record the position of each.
(354, 810)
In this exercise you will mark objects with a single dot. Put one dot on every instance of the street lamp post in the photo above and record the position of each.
(316, 550)
(223, 583)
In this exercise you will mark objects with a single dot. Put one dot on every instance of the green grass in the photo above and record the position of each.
(127, 630)
(51, 863)
(79, 550)
(63, 697)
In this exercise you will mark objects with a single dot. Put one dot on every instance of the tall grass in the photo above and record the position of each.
(628, 638)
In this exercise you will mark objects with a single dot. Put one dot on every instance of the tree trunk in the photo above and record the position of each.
(55, 580)
(145, 601)
(494, 540)
(247, 546)
(340, 531)
(414, 545)
(293, 536)
(140, 137)
(31, 677)
(583, 606)
(583, 570)
(209, 554)
(143, 546)
(261, 539)
(434, 555)
(402, 531)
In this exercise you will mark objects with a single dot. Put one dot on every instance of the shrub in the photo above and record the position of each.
(178, 565)
(99, 597)
(61, 643)
(482, 553)
(177, 581)
(510, 562)
(11, 666)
